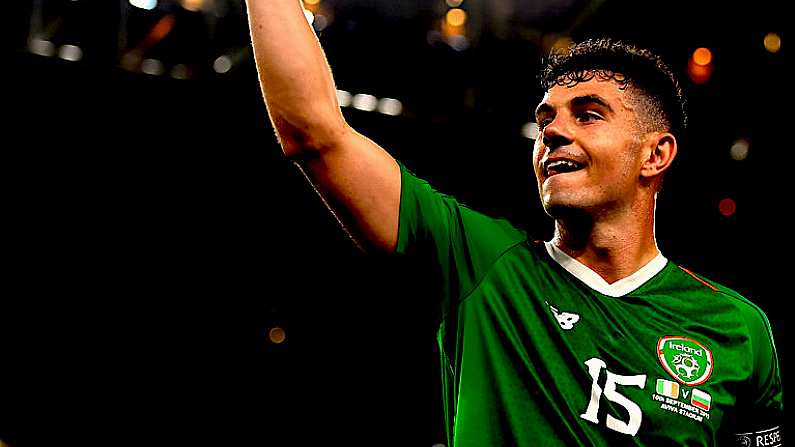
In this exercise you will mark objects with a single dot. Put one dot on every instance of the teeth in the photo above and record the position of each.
(562, 164)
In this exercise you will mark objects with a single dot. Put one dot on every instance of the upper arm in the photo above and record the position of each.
(361, 182)
(759, 418)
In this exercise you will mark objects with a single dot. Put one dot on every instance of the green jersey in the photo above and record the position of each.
(537, 349)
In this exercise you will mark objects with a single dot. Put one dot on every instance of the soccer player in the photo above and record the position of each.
(592, 338)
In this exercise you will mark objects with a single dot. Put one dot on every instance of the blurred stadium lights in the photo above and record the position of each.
(226, 62)
(40, 46)
(277, 335)
(365, 102)
(317, 14)
(344, 98)
(70, 53)
(456, 17)
(184, 38)
(194, 5)
(702, 56)
(727, 207)
(369, 103)
(144, 4)
(390, 106)
(452, 27)
(152, 67)
(58, 27)
(739, 150)
(700, 66)
(530, 131)
(772, 42)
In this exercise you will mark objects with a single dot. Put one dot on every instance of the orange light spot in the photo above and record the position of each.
(772, 42)
(699, 74)
(702, 56)
(159, 31)
(277, 335)
(456, 17)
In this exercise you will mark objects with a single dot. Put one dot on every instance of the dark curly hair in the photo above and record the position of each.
(659, 92)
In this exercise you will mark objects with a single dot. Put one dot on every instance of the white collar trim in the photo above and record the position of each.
(591, 279)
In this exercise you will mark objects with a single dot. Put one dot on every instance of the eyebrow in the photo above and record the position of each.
(591, 99)
(577, 101)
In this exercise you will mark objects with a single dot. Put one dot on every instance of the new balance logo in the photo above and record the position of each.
(566, 320)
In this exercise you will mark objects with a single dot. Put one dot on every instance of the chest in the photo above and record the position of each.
(640, 365)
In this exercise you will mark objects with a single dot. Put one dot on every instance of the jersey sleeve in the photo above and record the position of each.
(457, 244)
(759, 420)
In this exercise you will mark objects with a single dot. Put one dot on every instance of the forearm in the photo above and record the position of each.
(295, 78)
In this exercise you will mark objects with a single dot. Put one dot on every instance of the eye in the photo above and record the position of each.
(588, 116)
(543, 123)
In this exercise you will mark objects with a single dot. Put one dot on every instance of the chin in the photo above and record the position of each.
(557, 208)
(561, 209)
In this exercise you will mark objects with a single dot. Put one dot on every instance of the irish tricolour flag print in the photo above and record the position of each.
(667, 388)
(701, 399)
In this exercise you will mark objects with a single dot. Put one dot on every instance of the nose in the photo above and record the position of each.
(556, 134)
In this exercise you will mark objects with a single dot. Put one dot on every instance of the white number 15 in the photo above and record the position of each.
(630, 427)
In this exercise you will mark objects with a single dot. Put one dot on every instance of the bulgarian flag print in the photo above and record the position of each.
(701, 399)
(668, 388)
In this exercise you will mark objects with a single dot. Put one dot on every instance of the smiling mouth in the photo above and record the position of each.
(561, 167)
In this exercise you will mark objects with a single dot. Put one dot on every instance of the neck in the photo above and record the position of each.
(613, 246)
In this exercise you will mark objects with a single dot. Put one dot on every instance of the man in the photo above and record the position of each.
(593, 338)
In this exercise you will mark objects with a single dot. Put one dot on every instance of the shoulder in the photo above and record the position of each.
(753, 315)
(421, 202)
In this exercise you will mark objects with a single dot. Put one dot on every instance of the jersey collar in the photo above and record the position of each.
(591, 279)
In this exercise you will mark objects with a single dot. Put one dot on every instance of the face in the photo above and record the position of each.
(588, 154)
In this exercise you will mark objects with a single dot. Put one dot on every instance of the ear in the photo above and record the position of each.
(661, 153)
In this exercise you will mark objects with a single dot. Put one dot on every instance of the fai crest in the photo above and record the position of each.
(688, 361)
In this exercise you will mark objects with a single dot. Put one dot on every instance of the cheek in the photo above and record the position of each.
(536, 157)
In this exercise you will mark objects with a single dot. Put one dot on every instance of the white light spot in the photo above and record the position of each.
(309, 16)
(458, 43)
(41, 47)
(368, 103)
(180, 71)
(144, 4)
(739, 150)
(389, 106)
(454, 3)
(70, 53)
(321, 22)
(344, 98)
(152, 67)
(222, 64)
(530, 130)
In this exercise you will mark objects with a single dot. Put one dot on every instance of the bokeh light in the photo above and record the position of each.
(702, 56)
(277, 335)
(727, 207)
(456, 17)
(772, 42)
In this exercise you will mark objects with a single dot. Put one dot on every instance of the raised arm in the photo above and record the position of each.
(359, 179)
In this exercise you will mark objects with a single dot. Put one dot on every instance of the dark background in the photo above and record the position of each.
(154, 233)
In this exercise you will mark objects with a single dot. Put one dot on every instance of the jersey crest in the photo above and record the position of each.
(686, 360)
